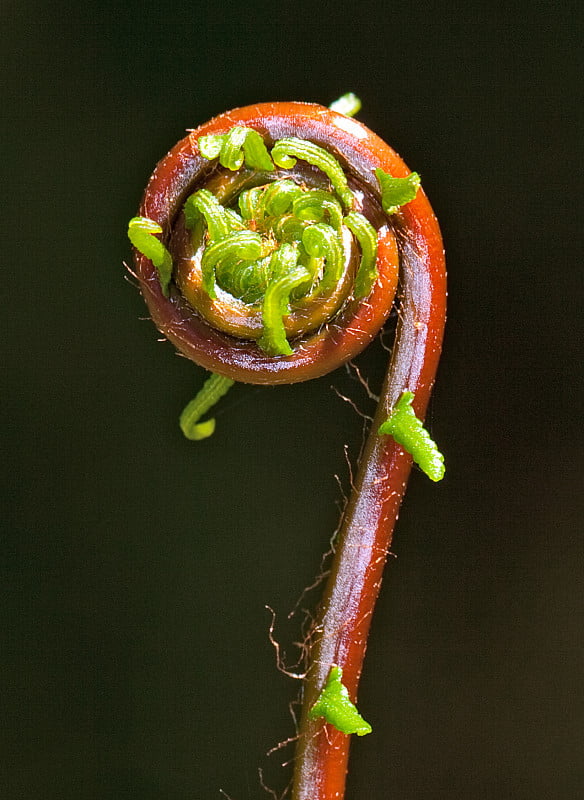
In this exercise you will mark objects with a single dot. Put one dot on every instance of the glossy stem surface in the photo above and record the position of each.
(342, 625)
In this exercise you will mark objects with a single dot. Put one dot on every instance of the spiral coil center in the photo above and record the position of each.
(270, 258)
(272, 255)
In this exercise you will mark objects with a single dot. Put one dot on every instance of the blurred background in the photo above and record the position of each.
(135, 566)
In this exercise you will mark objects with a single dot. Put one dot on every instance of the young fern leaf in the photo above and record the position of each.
(396, 192)
(212, 391)
(203, 203)
(273, 340)
(408, 431)
(348, 104)
(233, 148)
(366, 235)
(315, 204)
(141, 232)
(210, 146)
(278, 197)
(231, 155)
(336, 707)
(245, 245)
(283, 154)
(249, 201)
(322, 241)
(256, 153)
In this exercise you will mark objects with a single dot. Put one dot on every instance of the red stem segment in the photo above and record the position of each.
(342, 625)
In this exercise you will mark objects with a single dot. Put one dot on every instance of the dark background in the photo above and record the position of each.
(135, 566)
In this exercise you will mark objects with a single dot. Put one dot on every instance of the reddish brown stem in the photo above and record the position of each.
(343, 623)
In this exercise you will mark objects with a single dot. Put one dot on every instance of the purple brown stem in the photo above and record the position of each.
(342, 625)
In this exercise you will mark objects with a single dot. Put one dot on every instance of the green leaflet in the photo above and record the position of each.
(212, 391)
(141, 232)
(256, 153)
(349, 105)
(321, 241)
(220, 221)
(314, 204)
(236, 146)
(246, 280)
(285, 152)
(231, 155)
(249, 201)
(366, 235)
(210, 146)
(277, 198)
(336, 707)
(396, 192)
(242, 245)
(273, 339)
(289, 228)
(408, 431)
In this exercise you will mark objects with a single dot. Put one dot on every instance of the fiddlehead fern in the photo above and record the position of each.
(225, 220)
(287, 225)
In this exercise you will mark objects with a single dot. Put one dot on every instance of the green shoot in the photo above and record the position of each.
(408, 431)
(283, 154)
(366, 235)
(336, 707)
(212, 391)
(349, 105)
(273, 340)
(396, 192)
(141, 232)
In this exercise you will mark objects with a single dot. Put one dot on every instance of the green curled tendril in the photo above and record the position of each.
(246, 280)
(289, 228)
(238, 246)
(366, 235)
(249, 201)
(408, 431)
(290, 275)
(396, 192)
(141, 232)
(336, 707)
(233, 148)
(315, 204)
(277, 199)
(321, 241)
(286, 151)
(220, 223)
(212, 391)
